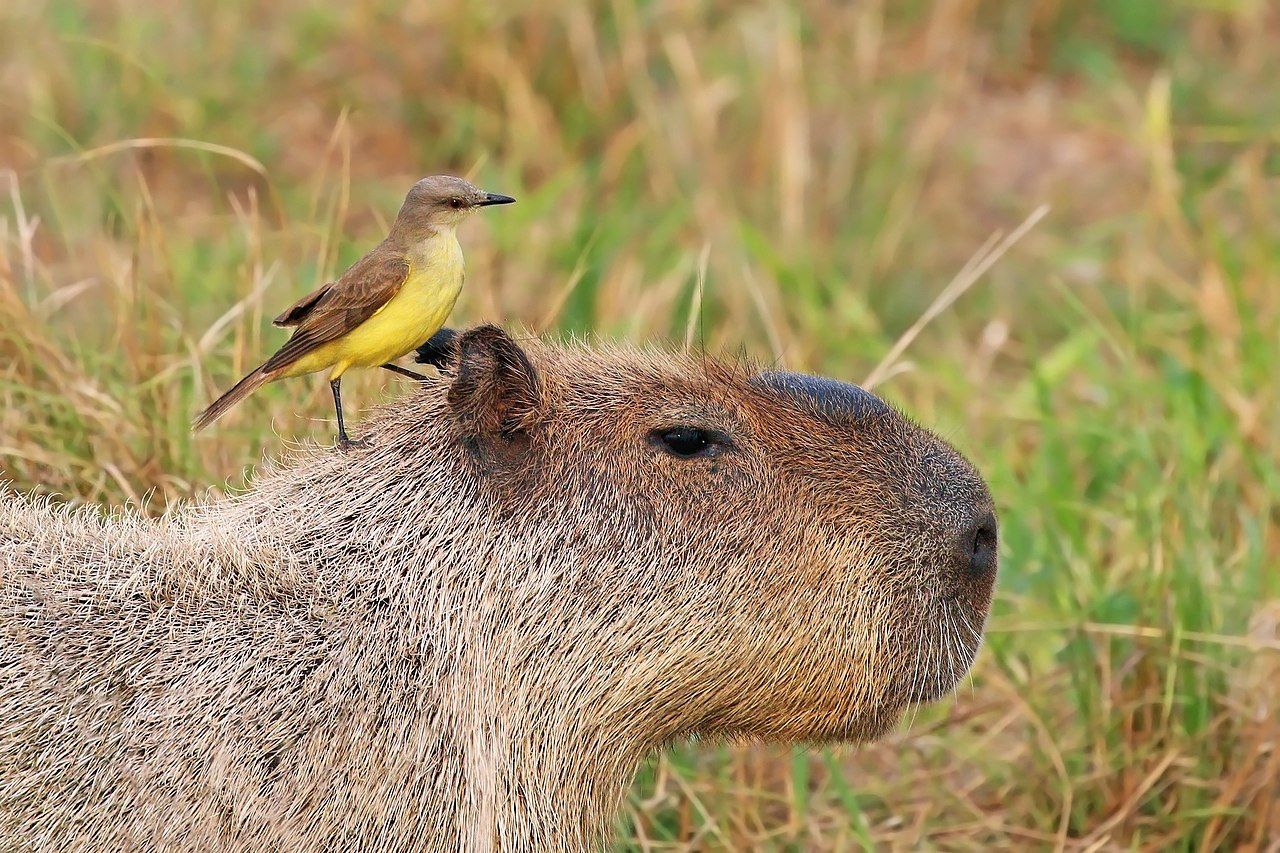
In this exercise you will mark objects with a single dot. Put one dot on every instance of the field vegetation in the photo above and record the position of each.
(806, 183)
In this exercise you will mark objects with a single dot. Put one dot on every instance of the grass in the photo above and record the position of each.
(823, 169)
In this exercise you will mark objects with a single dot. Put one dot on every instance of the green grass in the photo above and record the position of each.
(831, 166)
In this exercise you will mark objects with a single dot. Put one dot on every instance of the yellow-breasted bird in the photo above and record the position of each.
(388, 303)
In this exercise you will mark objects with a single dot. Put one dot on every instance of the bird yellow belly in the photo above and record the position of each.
(409, 318)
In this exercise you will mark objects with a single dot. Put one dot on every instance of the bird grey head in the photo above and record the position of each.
(443, 200)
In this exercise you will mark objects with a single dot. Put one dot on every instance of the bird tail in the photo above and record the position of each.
(238, 392)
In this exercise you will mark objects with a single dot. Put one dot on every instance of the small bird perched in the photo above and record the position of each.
(388, 303)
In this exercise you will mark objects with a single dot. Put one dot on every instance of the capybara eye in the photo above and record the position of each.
(689, 442)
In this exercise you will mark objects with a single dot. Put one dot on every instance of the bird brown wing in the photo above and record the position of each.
(298, 311)
(352, 299)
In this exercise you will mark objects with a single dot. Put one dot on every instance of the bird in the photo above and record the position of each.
(385, 305)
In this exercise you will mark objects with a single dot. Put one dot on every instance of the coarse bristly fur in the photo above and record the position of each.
(469, 635)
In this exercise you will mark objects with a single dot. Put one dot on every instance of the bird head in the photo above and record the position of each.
(441, 201)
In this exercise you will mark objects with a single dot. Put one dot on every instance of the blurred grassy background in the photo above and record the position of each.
(824, 168)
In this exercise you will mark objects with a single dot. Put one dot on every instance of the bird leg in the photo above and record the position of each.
(395, 368)
(344, 441)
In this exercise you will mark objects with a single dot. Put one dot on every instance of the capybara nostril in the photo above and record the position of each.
(977, 547)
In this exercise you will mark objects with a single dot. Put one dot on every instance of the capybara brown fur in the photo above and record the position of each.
(551, 562)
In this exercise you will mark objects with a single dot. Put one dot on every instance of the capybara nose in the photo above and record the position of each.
(976, 549)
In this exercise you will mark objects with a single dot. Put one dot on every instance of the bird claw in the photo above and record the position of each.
(354, 443)
(439, 351)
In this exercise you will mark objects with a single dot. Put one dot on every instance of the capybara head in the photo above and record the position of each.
(550, 562)
(746, 552)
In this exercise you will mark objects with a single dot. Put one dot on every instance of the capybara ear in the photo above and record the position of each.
(440, 350)
(496, 391)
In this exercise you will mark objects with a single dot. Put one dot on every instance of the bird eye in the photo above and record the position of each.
(686, 442)
(455, 203)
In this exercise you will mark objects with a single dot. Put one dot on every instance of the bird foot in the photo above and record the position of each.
(439, 351)
(345, 443)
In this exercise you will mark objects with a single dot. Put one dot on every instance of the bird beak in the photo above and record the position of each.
(494, 198)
